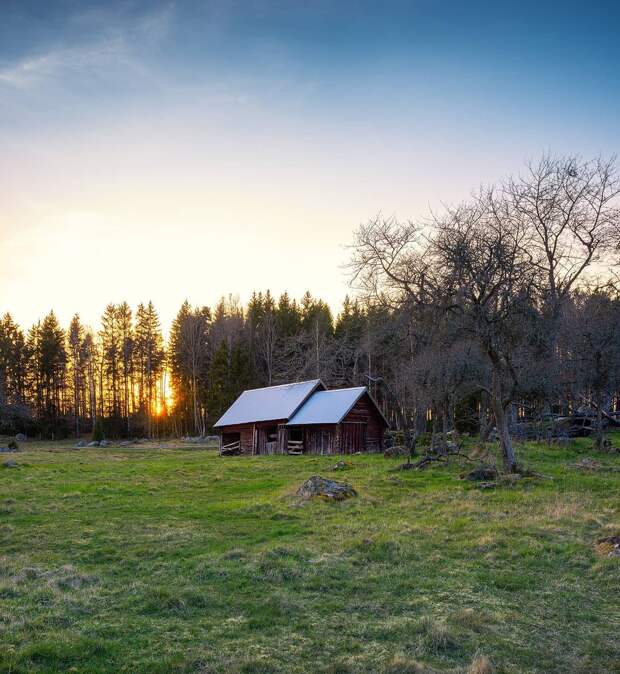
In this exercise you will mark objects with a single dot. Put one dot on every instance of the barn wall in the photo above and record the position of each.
(254, 438)
(321, 439)
(365, 412)
(246, 436)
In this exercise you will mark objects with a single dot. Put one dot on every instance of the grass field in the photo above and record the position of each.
(175, 560)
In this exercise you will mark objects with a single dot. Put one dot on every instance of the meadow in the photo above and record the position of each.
(172, 559)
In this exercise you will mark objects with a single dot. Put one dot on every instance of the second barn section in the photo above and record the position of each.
(302, 418)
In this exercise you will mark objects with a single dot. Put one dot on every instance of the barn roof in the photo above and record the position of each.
(328, 407)
(269, 404)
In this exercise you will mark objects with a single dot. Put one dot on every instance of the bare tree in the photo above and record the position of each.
(571, 208)
(193, 353)
(474, 264)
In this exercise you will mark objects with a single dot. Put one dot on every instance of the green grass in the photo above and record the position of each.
(175, 560)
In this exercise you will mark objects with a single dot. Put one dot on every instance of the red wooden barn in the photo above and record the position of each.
(303, 417)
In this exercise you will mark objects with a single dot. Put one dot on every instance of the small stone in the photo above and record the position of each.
(483, 473)
(10, 463)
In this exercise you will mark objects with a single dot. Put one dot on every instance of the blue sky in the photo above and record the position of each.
(146, 145)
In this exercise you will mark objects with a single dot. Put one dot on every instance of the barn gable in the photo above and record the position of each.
(331, 407)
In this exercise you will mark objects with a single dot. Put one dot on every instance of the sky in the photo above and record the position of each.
(173, 150)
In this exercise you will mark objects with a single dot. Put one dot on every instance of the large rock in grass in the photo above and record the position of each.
(396, 450)
(327, 489)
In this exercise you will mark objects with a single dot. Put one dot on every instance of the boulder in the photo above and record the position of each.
(94, 443)
(20, 437)
(608, 546)
(342, 465)
(5, 450)
(396, 450)
(105, 443)
(124, 443)
(10, 463)
(80, 444)
(327, 489)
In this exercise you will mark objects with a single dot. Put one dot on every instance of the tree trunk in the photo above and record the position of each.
(484, 421)
(445, 415)
(599, 442)
(501, 422)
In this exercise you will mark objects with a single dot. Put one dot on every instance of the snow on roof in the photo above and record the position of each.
(327, 407)
(267, 404)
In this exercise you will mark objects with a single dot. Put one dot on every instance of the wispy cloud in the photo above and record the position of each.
(114, 49)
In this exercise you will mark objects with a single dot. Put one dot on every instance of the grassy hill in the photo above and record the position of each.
(175, 560)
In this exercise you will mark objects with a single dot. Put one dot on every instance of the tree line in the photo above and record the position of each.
(125, 381)
(501, 308)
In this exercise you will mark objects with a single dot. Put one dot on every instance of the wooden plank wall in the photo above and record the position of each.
(321, 439)
(254, 438)
(246, 436)
(364, 411)
(352, 437)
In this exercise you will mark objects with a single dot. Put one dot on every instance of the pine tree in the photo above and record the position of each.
(13, 361)
(150, 360)
(188, 360)
(218, 392)
(126, 338)
(77, 377)
(47, 370)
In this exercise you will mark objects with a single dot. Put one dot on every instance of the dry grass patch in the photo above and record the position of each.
(481, 665)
